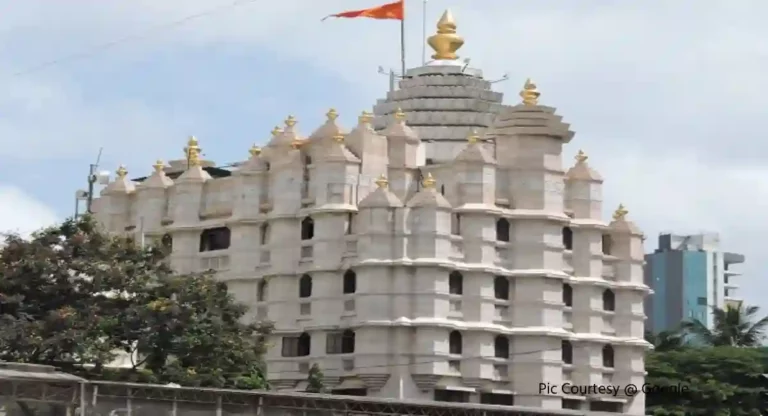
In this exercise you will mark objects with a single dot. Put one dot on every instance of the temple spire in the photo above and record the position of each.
(530, 93)
(446, 42)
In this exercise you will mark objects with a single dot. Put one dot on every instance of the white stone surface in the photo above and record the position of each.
(404, 243)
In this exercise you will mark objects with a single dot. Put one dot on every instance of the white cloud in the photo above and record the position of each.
(21, 213)
(667, 97)
(55, 121)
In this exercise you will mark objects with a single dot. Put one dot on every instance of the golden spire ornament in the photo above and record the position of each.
(332, 115)
(473, 137)
(399, 114)
(365, 117)
(382, 182)
(428, 182)
(581, 157)
(121, 171)
(159, 166)
(339, 138)
(254, 150)
(277, 130)
(192, 151)
(290, 121)
(620, 214)
(445, 42)
(530, 94)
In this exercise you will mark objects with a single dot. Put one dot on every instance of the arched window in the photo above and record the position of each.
(567, 352)
(607, 244)
(350, 224)
(167, 242)
(307, 228)
(501, 287)
(568, 238)
(305, 345)
(264, 234)
(608, 356)
(455, 343)
(501, 347)
(261, 296)
(348, 342)
(609, 300)
(350, 282)
(502, 229)
(567, 295)
(456, 224)
(455, 283)
(217, 238)
(305, 286)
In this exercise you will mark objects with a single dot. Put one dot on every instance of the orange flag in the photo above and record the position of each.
(394, 11)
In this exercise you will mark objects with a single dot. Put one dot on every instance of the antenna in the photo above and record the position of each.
(466, 64)
(392, 76)
(503, 78)
(94, 177)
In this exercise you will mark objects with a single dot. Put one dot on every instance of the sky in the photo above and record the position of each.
(667, 98)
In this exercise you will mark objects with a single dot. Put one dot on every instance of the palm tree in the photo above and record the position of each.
(736, 327)
(666, 340)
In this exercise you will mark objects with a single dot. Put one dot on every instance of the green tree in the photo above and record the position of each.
(59, 290)
(711, 381)
(315, 380)
(189, 330)
(71, 296)
(739, 327)
(665, 340)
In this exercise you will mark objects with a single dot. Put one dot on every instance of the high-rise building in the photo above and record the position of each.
(439, 250)
(689, 275)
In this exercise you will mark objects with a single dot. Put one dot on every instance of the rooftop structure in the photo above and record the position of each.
(437, 251)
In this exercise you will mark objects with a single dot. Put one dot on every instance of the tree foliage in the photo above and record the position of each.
(739, 327)
(665, 340)
(315, 380)
(714, 381)
(72, 296)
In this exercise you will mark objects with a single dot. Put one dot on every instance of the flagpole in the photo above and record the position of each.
(402, 42)
(424, 33)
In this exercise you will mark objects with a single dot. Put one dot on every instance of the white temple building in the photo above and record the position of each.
(439, 250)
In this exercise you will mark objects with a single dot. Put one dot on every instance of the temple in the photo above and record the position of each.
(438, 250)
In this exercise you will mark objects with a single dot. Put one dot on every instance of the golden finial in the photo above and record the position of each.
(332, 114)
(382, 182)
(620, 213)
(254, 150)
(581, 157)
(399, 114)
(445, 42)
(339, 138)
(365, 117)
(290, 121)
(473, 137)
(277, 130)
(428, 181)
(530, 94)
(159, 166)
(192, 151)
(121, 171)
